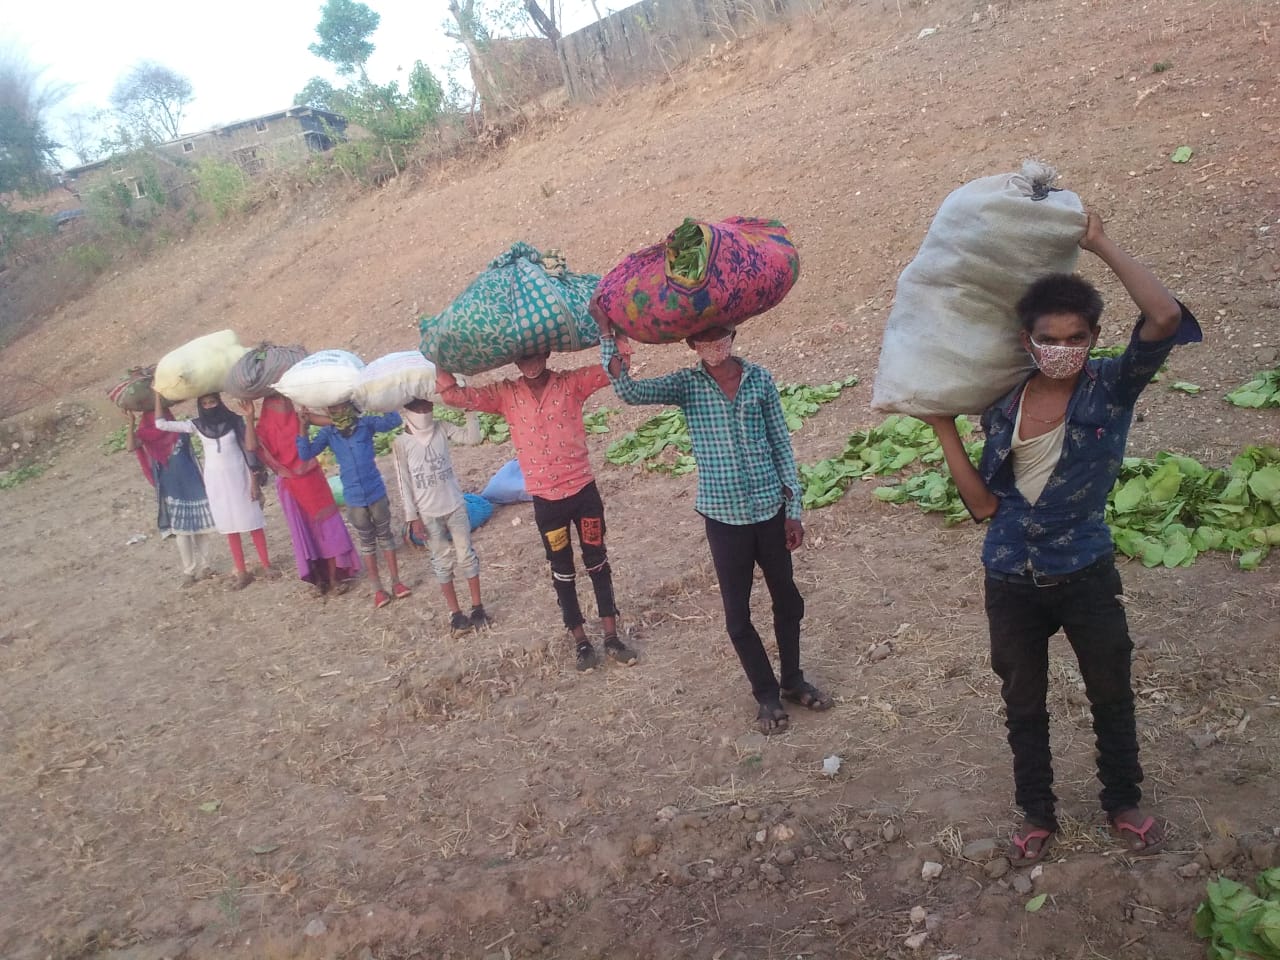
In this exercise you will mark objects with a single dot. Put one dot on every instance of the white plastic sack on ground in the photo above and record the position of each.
(951, 343)
(390, 382)
(322, 379)
(198, 367)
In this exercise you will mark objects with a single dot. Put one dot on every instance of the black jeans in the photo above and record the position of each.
(584, 510)
(1022, 617)
(735, 551)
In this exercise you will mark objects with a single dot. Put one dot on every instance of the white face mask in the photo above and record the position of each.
(418, 422)
(714, 352)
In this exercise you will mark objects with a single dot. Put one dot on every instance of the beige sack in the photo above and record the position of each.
(951, 342)
(198, 367)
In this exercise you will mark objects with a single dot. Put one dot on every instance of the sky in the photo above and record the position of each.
(243, 57)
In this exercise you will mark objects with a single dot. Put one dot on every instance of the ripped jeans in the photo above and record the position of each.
(585, 511)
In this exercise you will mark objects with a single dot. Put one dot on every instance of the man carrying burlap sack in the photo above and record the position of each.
(1055, 444)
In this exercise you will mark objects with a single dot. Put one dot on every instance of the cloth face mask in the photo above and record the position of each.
(714, 352)
(1059, 363)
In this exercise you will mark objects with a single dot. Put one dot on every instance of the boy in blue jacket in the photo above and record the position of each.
(350, 436)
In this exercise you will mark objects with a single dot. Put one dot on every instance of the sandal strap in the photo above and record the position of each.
(1140, 832)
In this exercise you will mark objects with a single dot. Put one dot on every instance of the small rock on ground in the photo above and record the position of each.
(315, 928)
(981, 850)
(997, 868)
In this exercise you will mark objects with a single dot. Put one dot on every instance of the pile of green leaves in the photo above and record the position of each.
(117, 441)
(12, 478)
(687, 251)
(897, 443)
(650, 442)
(1164, 511)
(598, 421)
(662, 443)
(1239, 924)
(1262, 391)
(800, 402)
(1167, 511)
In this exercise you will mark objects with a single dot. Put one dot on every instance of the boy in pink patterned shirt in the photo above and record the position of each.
(544, 410)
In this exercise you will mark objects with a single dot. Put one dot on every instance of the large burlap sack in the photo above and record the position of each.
(524, 303)
(390, 382)
(321, 380)
(198, 367)
(750, 265)
(134, 392)
(951, 343)
(253, 374)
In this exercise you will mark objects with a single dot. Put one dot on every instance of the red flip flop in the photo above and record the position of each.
(401, 591)
(1120, 827)
(1021, 840)
(381, 599)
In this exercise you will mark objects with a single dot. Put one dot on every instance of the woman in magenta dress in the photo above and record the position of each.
(322, 547)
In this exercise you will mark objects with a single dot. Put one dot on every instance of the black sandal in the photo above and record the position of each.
(771, 718)
(619, 651)
(807, 695)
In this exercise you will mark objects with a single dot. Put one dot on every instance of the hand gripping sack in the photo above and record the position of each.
(254, 373)
(744, 267)
(134, 392)
(198, 367)
(951, 344)
(322, 380)
(390, 382)
(524, 303)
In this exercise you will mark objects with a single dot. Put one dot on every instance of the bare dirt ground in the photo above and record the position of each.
(207, 774)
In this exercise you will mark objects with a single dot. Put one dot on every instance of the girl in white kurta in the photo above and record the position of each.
(232, 489)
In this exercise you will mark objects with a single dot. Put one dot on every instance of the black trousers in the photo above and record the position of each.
(1022, 617)
(585, 511)
(735, 551)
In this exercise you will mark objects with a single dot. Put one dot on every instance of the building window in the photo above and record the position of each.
(188, 147)
(139, 191)
(249, 161)
(260, 125)
(116, 172)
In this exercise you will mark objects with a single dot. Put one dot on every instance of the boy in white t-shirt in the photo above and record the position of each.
(434, 506)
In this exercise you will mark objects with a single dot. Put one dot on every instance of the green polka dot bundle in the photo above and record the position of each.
(524, 303)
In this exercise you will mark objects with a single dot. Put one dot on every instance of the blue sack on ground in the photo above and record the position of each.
(507, 485)
(478, 509)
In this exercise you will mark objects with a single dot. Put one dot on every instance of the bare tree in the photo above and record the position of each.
(83, 136)
(150, 100)
(473, 35)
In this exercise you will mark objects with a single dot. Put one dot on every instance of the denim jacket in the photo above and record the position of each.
(1065, 529)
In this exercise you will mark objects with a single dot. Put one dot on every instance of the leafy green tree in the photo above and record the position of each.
(27, 151)
(344, 30)
(150, 100)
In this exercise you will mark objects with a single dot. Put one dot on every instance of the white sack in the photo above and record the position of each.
(322, 380)
(951, 343)
(390, 382)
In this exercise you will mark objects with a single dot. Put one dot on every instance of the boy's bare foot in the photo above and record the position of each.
(771, 718)
(1142, 834)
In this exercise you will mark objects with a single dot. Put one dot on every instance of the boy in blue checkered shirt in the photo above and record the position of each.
(748, 496)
